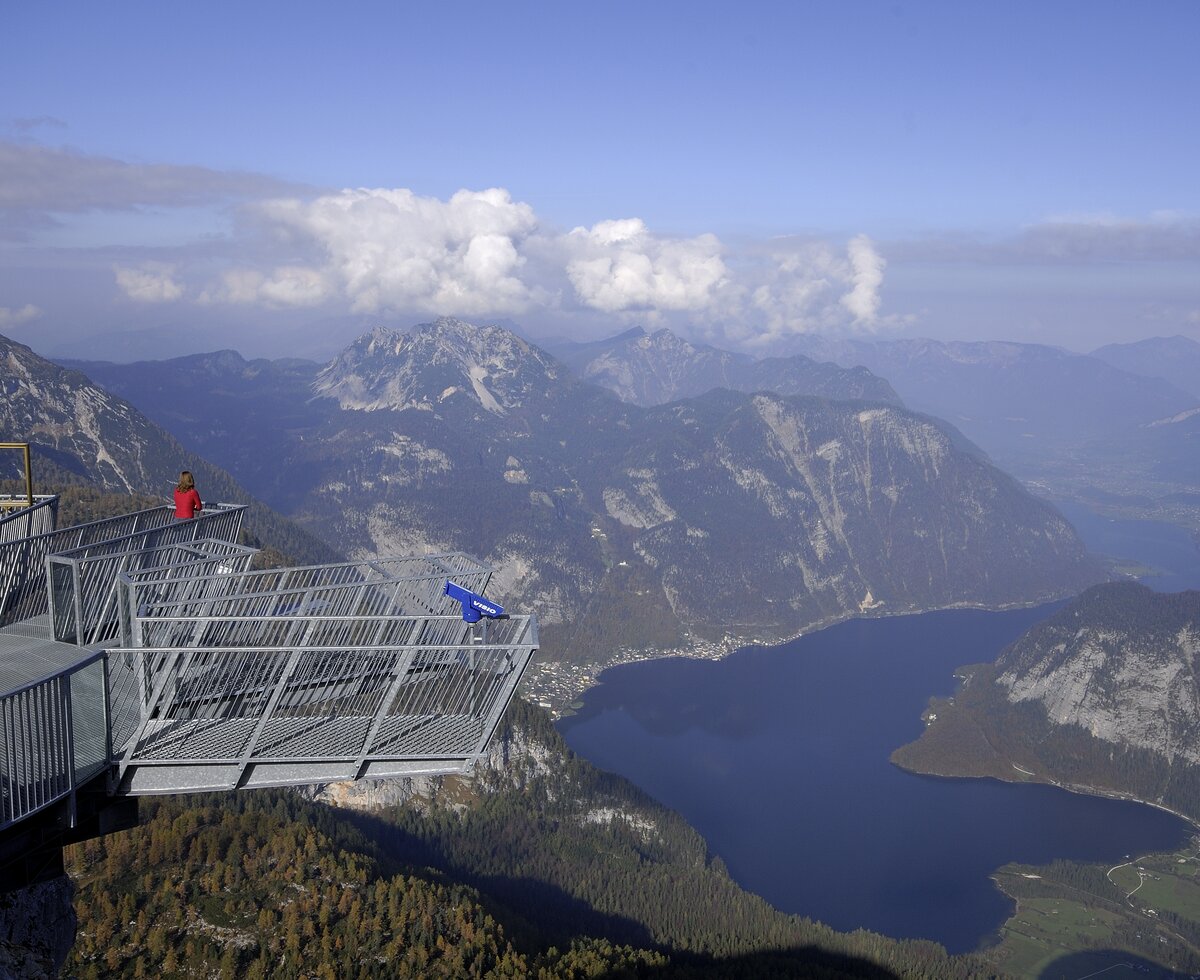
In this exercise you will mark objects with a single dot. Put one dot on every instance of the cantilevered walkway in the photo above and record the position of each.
(141, 655)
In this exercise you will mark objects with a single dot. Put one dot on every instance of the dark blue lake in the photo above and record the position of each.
(779, 757)
(1172, 552)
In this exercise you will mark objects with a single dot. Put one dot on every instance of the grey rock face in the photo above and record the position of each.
(37, 929)
(757, 513)
(1122, 662)
(76, 423)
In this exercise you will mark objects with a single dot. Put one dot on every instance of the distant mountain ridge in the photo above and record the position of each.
(1177, 359)
(652, 369)
(1071, 425)
(1105, 693)
(757, 515)
(81, 432)
(1012, 398)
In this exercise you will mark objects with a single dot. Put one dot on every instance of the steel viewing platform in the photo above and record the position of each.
(142, 655)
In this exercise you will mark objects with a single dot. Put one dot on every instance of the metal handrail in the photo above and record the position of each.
(374, 588)
(228, 677)
(23, 591)
(220, 711)
(84, 586)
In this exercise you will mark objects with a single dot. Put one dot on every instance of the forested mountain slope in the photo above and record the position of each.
(538, 866)
(1104, 694)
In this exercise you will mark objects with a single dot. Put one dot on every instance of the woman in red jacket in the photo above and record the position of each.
(187, 500)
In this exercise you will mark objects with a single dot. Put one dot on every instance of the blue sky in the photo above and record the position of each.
(1021, 170)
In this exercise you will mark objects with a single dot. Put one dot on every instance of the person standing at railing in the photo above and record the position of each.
(187, 500)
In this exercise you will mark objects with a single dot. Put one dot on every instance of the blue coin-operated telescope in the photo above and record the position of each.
(474, 606)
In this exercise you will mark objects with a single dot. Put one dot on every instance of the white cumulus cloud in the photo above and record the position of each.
(392, 249)
(151, 283)
(285, 286)
(867, 267)
(811, 287)
(10, 317)
(619, 266)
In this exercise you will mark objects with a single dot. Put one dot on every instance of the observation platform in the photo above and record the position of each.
(142, 655)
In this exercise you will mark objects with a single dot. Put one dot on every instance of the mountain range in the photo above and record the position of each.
(1175, 359)
(752, 514)
(83, 434)
(1119, 428)
(1075, 426)
(652, 369)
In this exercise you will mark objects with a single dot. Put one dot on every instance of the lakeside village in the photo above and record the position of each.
(558, 686)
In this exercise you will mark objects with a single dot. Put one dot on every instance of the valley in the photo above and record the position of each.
(723, 518)
(638, 533)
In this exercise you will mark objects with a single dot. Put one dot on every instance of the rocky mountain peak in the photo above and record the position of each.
(445, 363)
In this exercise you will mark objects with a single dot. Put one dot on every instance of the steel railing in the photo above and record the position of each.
(25, 521)
(85, 599)
(53, 738)
(227, 677)
(156, 612)
(23, 587)
(303, 699)
(20, 561)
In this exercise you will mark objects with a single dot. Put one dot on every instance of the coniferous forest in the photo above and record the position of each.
(541, 866)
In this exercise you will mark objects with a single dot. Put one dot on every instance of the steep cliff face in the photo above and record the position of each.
(1121, 662)
(753, 513)
(796, 509)
(78, 425)
(1103, 695)
(37, 929)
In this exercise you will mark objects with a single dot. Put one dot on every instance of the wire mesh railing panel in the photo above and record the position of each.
(378, 587)
(196, 569)
(41, 732)
(23, 589)
(85, 584)
(320, 700)
(89, 721)
(129, 690)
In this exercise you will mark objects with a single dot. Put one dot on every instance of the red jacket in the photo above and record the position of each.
(187, 503)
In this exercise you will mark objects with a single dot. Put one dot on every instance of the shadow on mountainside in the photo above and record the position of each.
(533, 913)
(1113, 964)
(783, 964)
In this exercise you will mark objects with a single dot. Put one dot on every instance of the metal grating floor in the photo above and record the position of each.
(218, 741)
(29, 652)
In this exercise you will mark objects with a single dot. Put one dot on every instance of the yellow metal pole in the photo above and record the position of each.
(28, 476)
(24, 447)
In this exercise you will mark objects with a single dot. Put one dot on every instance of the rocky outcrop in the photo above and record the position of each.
(1121, 662)
(1103, 696)
(37, 929)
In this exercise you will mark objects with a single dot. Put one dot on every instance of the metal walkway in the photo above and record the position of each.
(142, 654)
